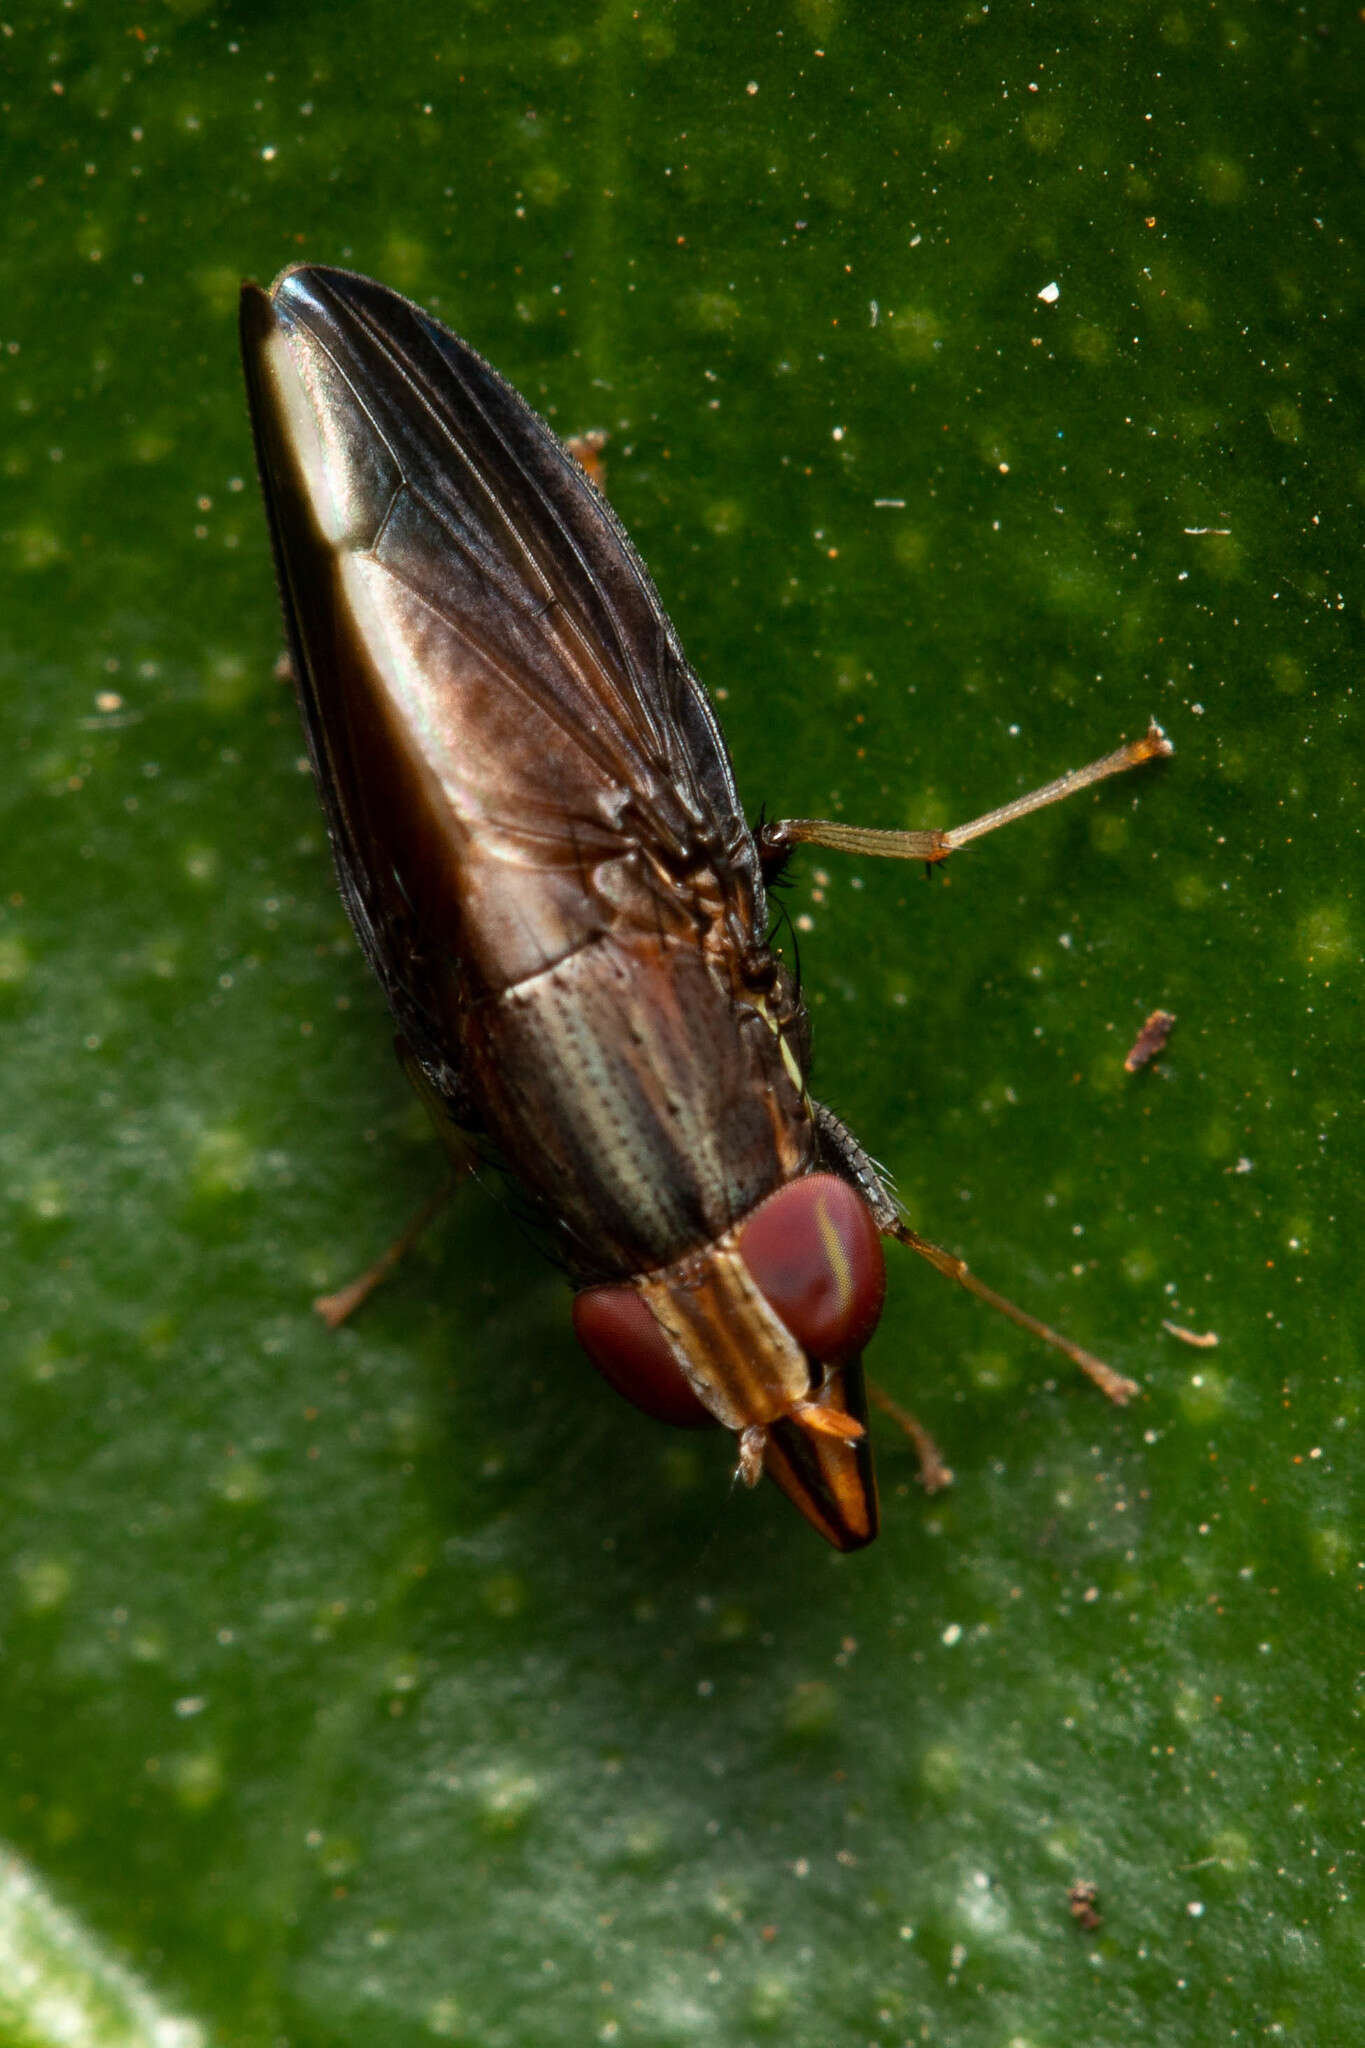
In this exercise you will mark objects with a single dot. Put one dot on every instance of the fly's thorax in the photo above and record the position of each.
(641, 1096)
(786, 1021)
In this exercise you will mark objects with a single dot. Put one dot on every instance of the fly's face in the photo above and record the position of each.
(762, 1331)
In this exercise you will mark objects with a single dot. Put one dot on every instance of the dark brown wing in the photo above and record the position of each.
(511, 747)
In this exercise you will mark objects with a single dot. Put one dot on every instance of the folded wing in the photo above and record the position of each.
(512, 749)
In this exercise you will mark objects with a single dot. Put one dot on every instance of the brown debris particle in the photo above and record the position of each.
(1202, 1340)
(1083, 1900)
(1150, 1039)
(586, 450)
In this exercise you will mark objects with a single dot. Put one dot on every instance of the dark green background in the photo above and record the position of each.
(405, 1684)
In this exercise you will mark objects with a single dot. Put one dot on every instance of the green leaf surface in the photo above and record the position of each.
(403, 1684)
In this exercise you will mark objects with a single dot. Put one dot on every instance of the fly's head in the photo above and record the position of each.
(762, 1331)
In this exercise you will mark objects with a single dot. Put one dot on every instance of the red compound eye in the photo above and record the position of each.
(616, 1329)
(816, 1253)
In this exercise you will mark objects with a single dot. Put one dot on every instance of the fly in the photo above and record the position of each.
(540, 845)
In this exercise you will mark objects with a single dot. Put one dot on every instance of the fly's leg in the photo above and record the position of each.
(336, 1308)
(934, 1475)
(845, 1156)
(777, 839)
(448, 1113)
(1111, 1383)
(842, 1153)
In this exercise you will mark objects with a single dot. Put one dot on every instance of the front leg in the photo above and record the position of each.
(846, 1157)
(842, 1154)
